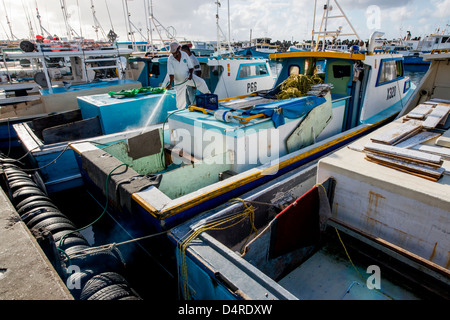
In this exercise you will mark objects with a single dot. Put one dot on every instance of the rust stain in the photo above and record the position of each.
(433, 253)
(374, 200)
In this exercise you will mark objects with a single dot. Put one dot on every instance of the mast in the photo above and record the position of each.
(69, 28)
(130, 27)
(218, 27)
(219, 30)
(43, 30)
(9, 23)
(96, 25)
(324, 34)
(229, 27)
(158, 25)
(30, 25)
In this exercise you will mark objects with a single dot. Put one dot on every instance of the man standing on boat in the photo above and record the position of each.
(190, 91)
(180, 70)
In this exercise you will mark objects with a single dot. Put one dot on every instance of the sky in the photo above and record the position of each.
(290, 20)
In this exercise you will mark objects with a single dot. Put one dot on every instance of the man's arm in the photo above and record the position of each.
(171, 78)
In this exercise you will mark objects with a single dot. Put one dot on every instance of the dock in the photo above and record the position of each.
(25, 272)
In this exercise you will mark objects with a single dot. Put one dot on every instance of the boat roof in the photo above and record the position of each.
(318, 54)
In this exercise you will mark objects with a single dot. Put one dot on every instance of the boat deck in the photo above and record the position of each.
(394, 200)
(329, 275)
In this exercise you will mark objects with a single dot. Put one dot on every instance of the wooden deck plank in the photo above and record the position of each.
(417, 139)
(437, 150)
(401, 131)
(401, 153)
(420, 171)
(436, 116)
(420, 112)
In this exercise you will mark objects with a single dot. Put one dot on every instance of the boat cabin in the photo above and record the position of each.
(364, 85)
(225, 76)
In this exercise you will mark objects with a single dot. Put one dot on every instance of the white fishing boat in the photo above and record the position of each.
(94, 68)
(195, 184)
(301, 46)
(314, 233)
(60, 72)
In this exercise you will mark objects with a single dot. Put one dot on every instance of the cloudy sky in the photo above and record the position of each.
(196, 19)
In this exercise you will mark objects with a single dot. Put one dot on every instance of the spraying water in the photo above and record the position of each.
(156, 111)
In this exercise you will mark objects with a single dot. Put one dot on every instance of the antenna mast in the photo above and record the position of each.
(325, 33)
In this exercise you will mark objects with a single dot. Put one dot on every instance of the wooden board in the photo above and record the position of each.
(436, 116)
(73, 131)
(398, 133)
(420, 171)
(417, 139)
(14, 100)
(404, 154)
(145, 144)
(420, 112)
(240, 104)
(444, 140)
(39, 124)
(441, 151)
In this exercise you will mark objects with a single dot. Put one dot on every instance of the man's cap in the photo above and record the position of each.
(174, 46)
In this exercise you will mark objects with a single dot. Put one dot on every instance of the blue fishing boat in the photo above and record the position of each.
(46, 138)
(205, 157)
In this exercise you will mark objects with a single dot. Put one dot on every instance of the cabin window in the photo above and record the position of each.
(444, 39)
(390, 70)
(252, 70)
(155, 69)
(341, 71)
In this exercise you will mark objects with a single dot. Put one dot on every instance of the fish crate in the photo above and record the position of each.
(207, 101)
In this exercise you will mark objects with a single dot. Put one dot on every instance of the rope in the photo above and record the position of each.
(104, 210)
(220, 224)
(350, 259)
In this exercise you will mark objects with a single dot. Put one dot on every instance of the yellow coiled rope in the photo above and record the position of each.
(297, 85)
(219, 224)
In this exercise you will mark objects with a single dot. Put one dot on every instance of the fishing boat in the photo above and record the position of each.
(413, 56)
(209, 156)
(225, 76)
(259, 47)
(199, 48)
(384, 195)
(284, 241)
(45, 138)
(94, 68)
(301, 46)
